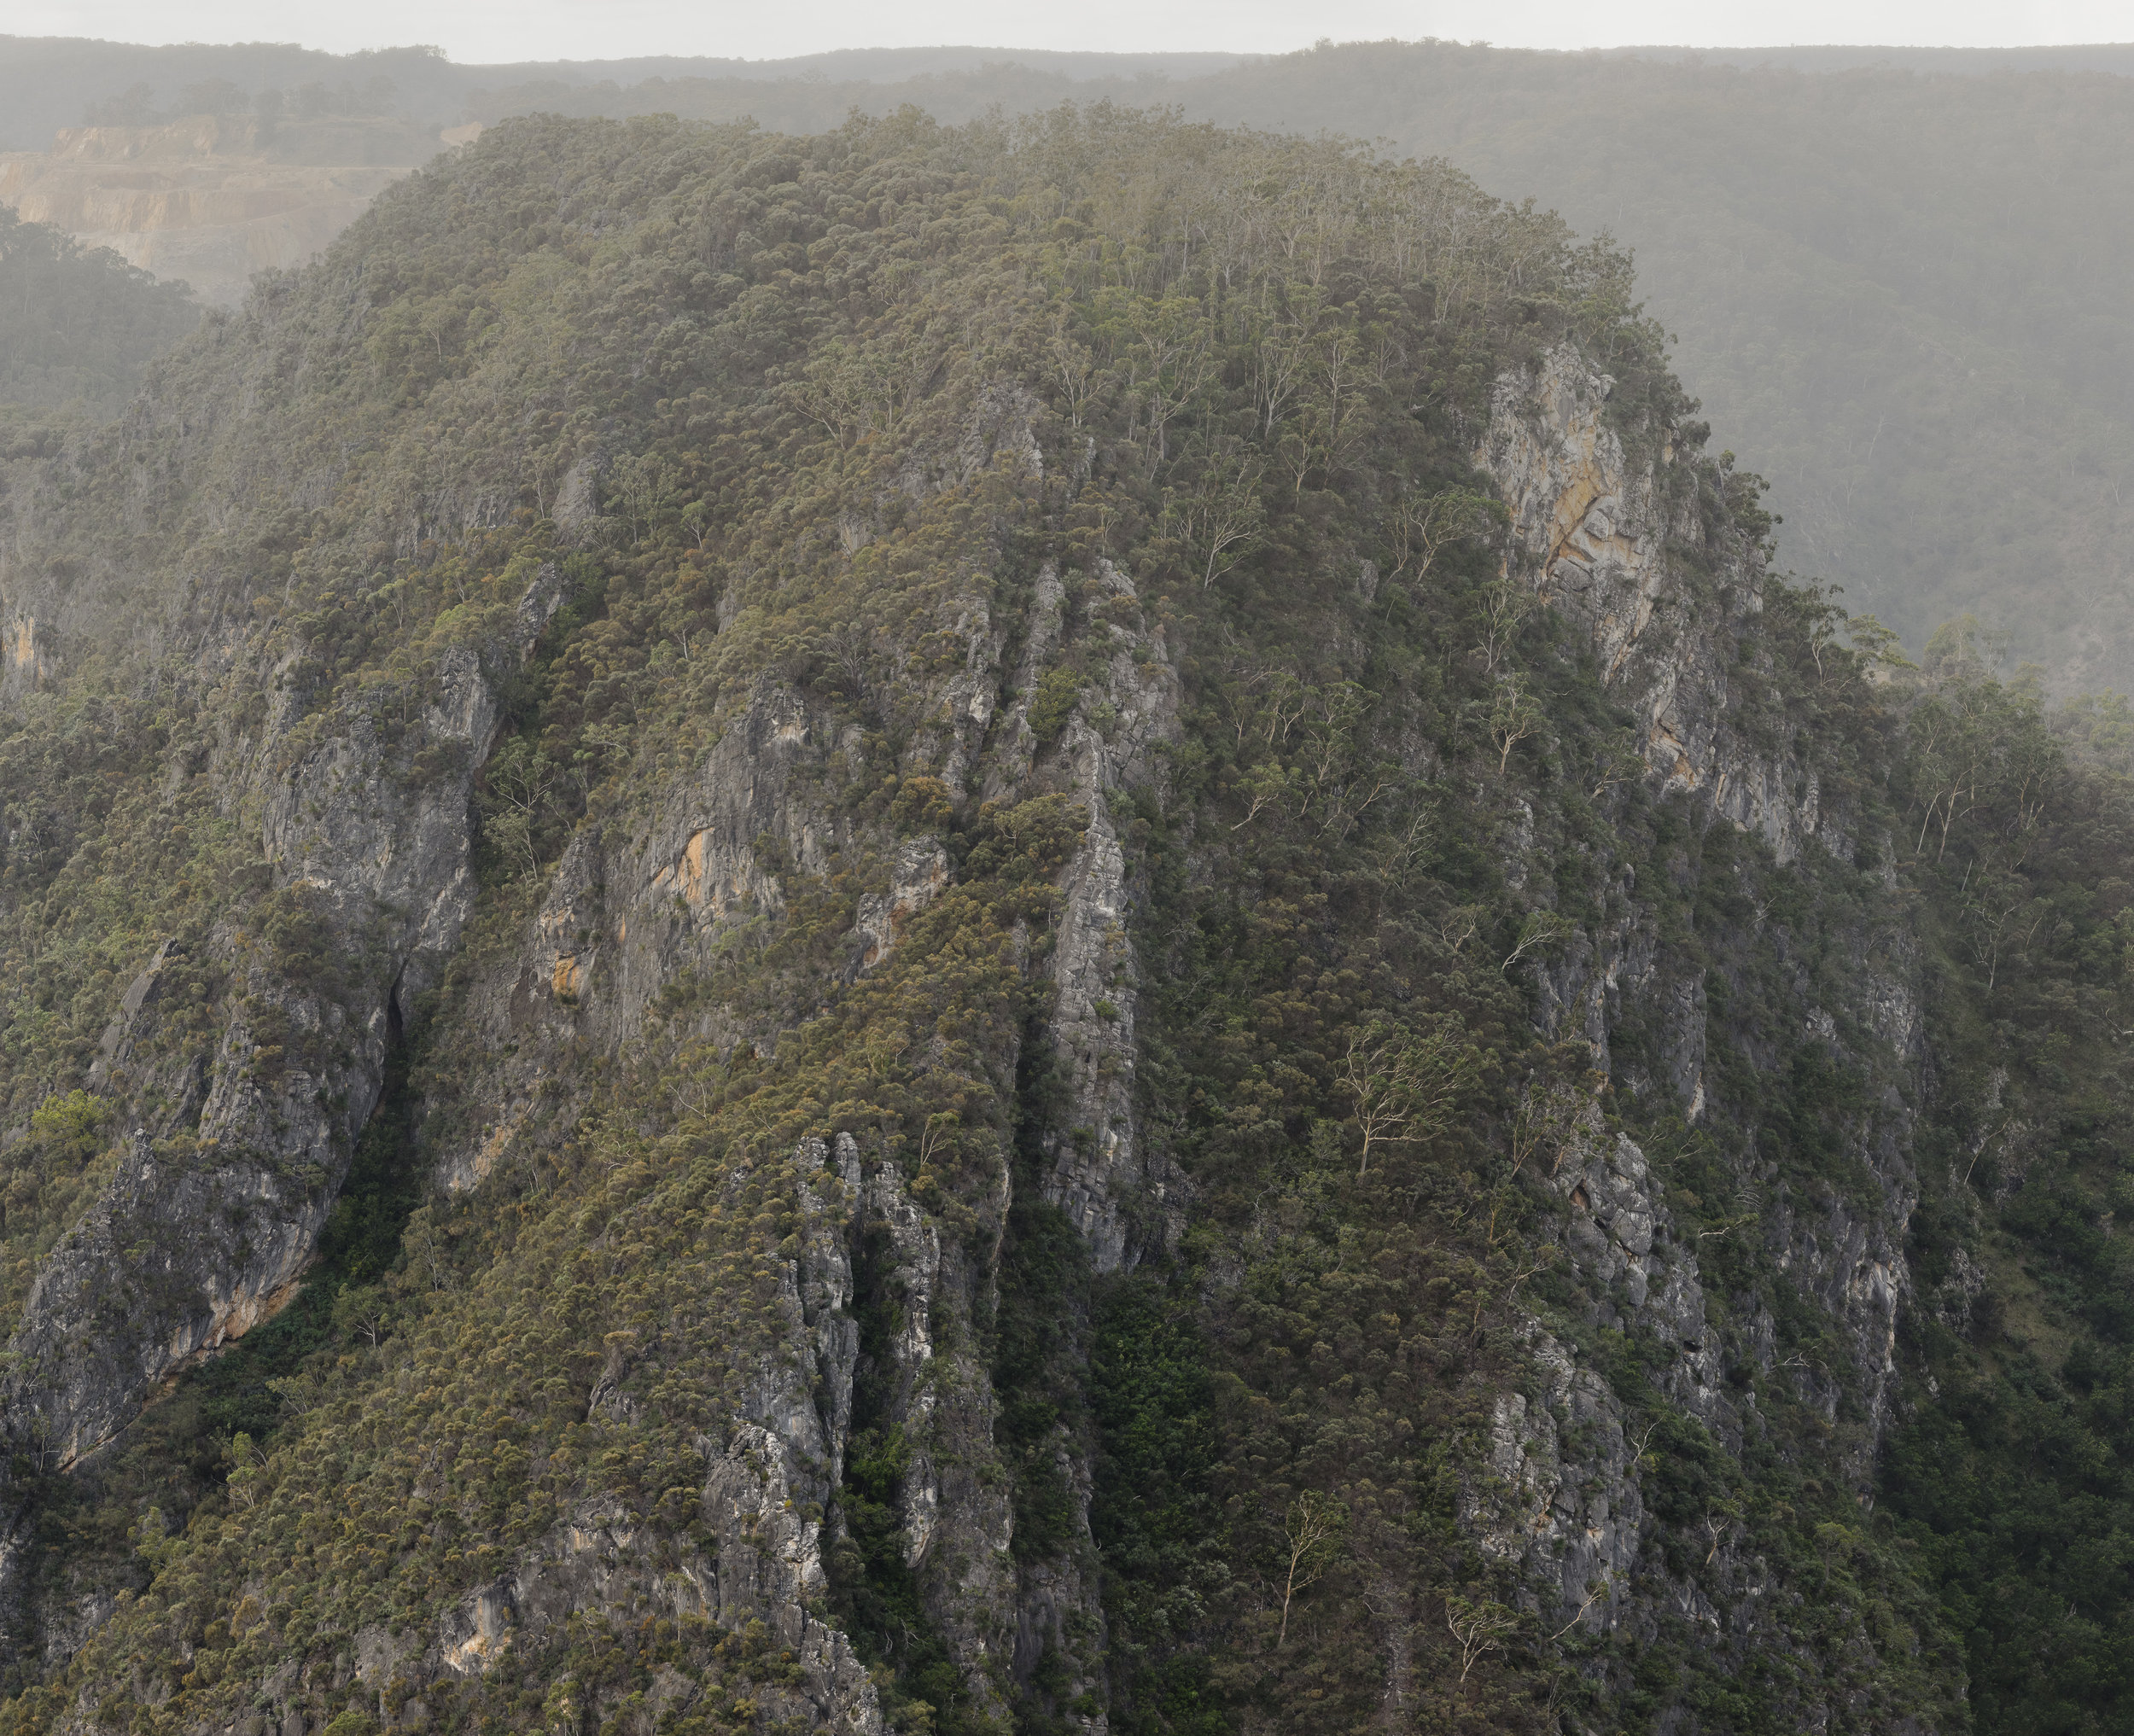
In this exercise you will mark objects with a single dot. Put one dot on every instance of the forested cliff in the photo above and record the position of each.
(1036, 927)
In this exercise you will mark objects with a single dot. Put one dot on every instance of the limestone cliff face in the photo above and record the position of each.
(785, 1463)
(1617, 543)
(231, 1163)
(1594, 533)
(632, 911)
(1560, 1498)
(227, 1173)
(767, 1488)
(1099, 1176)
(626, 914)
(768, 797)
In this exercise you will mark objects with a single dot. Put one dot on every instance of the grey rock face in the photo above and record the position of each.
(216, 1205)
(1590, 530)
(921, 869)
(192, 1248)
(767, 1494)
(203, 1246)
(1597, 517)
(1560, 1501)
(1099, 1175)
(768, 1487)
(629, 912)
(957, 1518)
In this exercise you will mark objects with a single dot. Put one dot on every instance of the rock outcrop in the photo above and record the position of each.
(1621, 545)
(1595, 532)
(227, 1180)
(890, 963)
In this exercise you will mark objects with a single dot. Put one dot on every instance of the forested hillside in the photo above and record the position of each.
(1892, 275)
(1897, 293)
(1895, 285)
(78, 326)
(47, 83)
(1040, 927)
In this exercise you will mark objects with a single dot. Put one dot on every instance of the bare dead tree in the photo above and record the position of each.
(1513, 717)
(1404, 1080)
(1312, 1529)
(1479, 1629)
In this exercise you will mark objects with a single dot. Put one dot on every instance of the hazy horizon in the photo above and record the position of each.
(481, 32)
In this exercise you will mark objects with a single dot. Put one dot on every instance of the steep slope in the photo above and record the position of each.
(1893, 274)
(1894, 284)
(78, 327)
(1036, 926)
(1895, 291)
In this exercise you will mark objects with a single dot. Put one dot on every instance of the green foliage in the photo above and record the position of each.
(435, 1399)
(78, 326)
(1057, 695)
(922, 805)
(1039, 1366)
(1781, 214)
(1155, 1520)
(2011, 1482)
(719, 389)
(67, 1127)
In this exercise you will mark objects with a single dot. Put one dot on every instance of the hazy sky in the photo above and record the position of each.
(516, 30)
